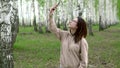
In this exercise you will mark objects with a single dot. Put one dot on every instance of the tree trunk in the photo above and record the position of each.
(34, 19)
(58, 23)
(8, 32)
(102, 15)
(40, 29)
(101, 28)
(65, 26)
(80, 10)
(22, 18)
(47, 3)
(90, 28)
(47, 29)
(40, 23)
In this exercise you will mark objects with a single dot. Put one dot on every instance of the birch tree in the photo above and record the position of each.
(8, 31)
(39, 22)
(101, 15)
(34, 19)
(47, 6)
(90, 12)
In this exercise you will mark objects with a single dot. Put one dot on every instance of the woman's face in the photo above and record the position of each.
(73, 24)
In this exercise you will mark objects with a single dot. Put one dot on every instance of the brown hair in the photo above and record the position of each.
(81, 30)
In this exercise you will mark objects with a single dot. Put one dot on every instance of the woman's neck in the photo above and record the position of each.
(72, 31)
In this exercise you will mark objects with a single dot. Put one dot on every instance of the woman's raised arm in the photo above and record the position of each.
(52, 26)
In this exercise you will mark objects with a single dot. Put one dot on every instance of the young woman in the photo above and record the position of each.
(74, 48)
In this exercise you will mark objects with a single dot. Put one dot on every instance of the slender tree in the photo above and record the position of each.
(47, 5)
(90, 19)
(22, 17)
(39, 22)
(34, 18)
(101, 15)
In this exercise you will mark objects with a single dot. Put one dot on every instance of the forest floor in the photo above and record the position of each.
(34, 50)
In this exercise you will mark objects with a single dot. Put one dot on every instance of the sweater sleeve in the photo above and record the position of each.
(84, 54)
(53, 28)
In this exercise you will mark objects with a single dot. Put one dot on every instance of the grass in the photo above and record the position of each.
(34, 50)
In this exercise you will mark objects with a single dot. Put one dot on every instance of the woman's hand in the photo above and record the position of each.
(53, 9)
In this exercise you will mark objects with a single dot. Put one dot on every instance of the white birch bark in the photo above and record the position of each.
(102, 15)
(8, 32)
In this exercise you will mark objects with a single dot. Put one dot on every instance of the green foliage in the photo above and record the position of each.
(41, 2)
(118, 7)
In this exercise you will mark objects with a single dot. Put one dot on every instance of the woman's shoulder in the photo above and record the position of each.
(63, 34)
(84, 41)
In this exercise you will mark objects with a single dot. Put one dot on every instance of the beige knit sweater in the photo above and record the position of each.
(72, 55)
